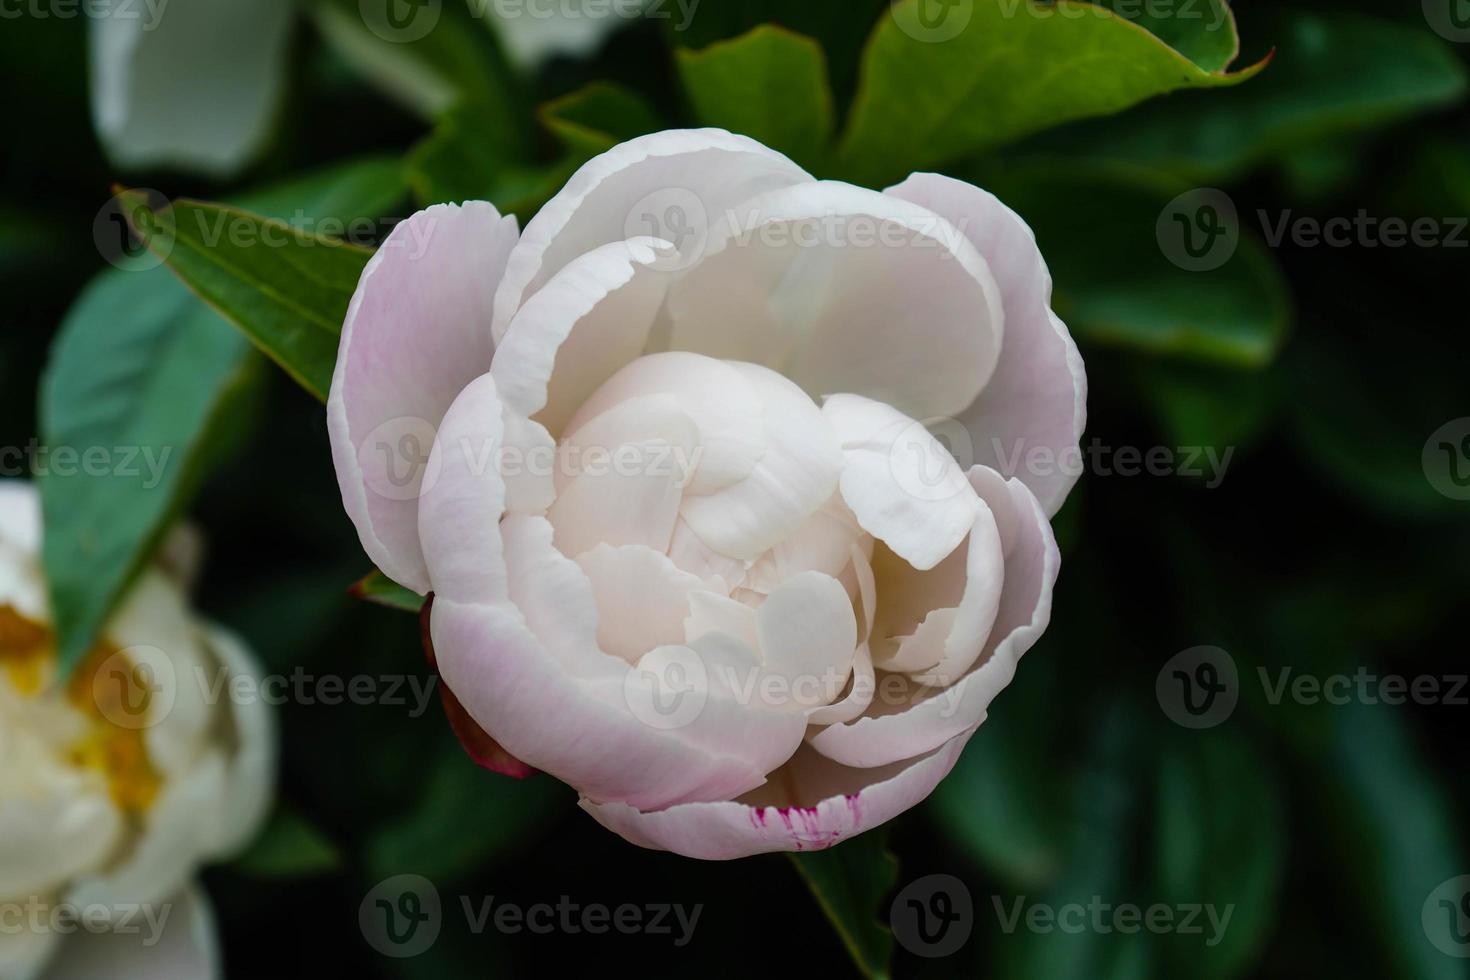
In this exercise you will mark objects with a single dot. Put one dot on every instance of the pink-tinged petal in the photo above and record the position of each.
(483, 750)
(859, 693)
(690, 553)
(909, 718)
(187, 948)
(643, 599)
(903, 486)
(463, 499)
(845, 289)
(810, 804)
(824, 543)
(583, 729)
(1037, 398)
(417, 331)
(590, 319)
(797, 474)
(668, 184)
(619, 479)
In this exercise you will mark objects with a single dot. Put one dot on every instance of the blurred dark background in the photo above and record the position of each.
(1324, 548)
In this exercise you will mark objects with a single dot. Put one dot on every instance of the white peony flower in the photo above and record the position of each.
(117, 784)
(661, 462)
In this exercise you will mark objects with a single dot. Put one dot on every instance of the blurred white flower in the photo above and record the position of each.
(195, 84)
(118, 783)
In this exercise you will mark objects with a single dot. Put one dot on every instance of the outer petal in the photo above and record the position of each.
(842, 288)
(193, 85)
(416, 333)
(933, 715)
(186, 949)
(1037, 397)
(250, 774)
(832, 803)
(629, 190)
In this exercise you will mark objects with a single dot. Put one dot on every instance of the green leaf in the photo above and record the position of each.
(443, 56)
(1335, 74)
(462, 818)
(1103, 810)
(597, 117)
(290, 846)
(287, 289)
(1115, 285)
(1206, 405)
(1396, 831)
(1220, 842)
(769, 84)
(379, 588)
(935, 93)
(140, 366)
(145, 373)
(999, 803)
(850, 882)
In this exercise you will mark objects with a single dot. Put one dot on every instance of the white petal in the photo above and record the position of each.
(642, 598)
(590, 319)
(192, 85)
(616, 195)
(1037, 397)
(808, 635)
(623, 485)
(185, 948)
(905, 488)
(844, 289)
(797, 474)
(251, 770)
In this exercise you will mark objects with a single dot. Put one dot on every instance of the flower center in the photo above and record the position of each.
(86, 737)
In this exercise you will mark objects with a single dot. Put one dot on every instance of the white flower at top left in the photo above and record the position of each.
(117, 783)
